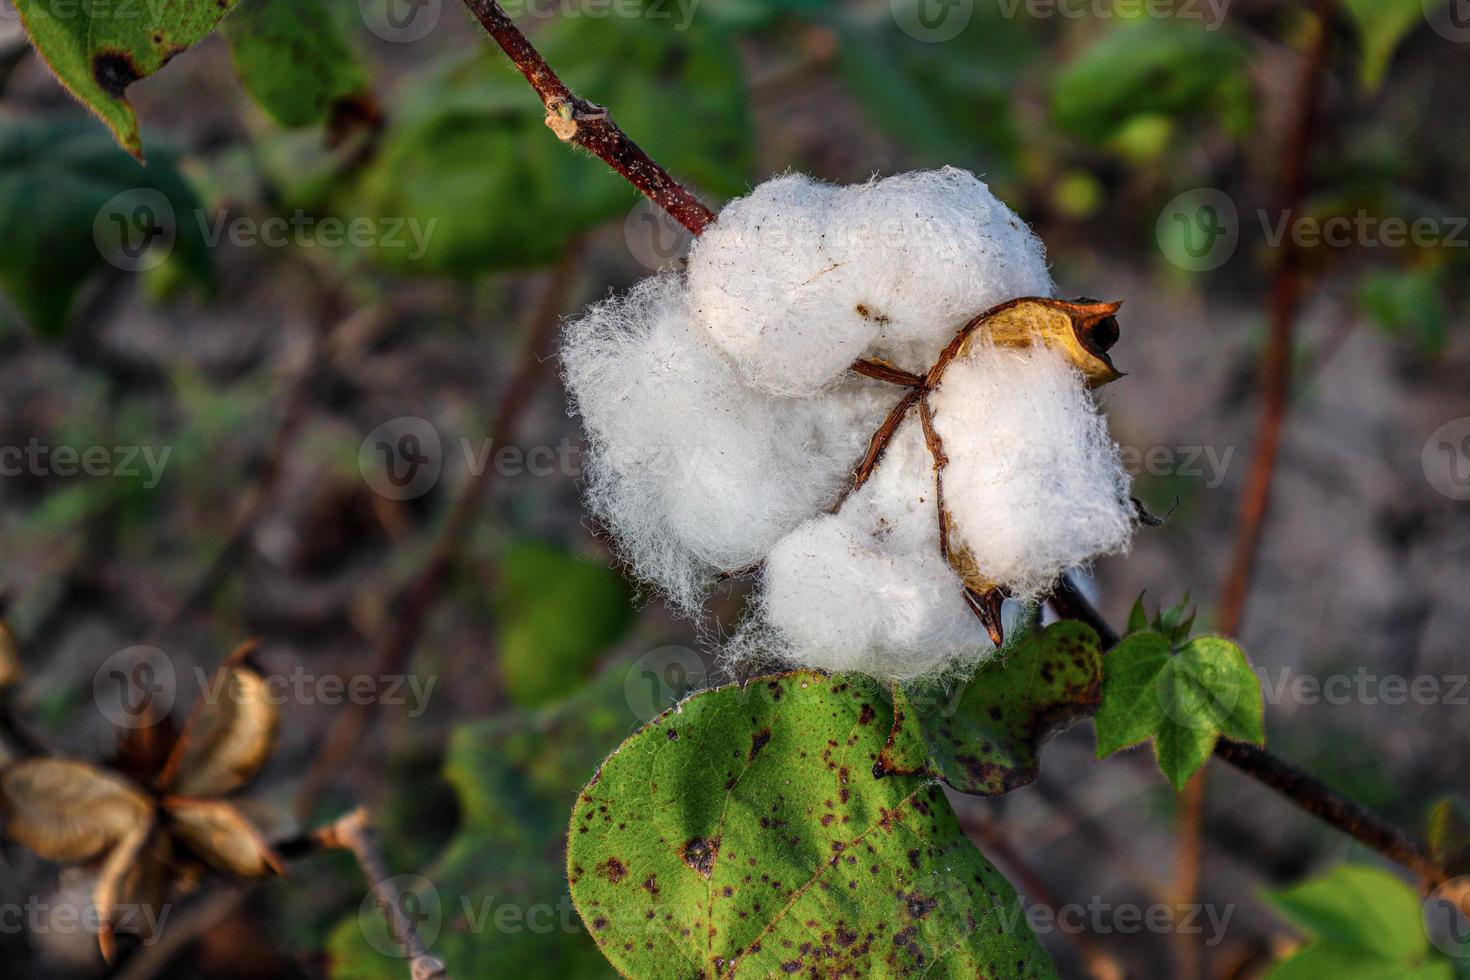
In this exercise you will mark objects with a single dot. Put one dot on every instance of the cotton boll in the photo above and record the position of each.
(1034, 484)
(762, 281)
(923, 253)
(696, 472)
(866, 589)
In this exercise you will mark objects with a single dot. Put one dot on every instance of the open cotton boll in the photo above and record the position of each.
(1034, 484)
(866, 589)
(696, 472)
(924, 252)
(761, 282)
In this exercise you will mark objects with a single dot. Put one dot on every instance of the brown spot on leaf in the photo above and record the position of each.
(613, 870)
(758, 741)
(114, 71)
(699, 854)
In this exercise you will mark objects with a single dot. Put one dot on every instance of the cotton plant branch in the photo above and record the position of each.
(1307, 792)
(588, 125)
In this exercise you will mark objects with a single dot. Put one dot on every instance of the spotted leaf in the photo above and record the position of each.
(743, 833)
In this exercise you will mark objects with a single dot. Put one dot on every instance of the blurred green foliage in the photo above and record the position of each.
(67, 193)
(557, 613)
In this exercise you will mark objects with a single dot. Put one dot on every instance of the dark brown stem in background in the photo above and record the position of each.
(1312, 795)
(1286, 291)
(588, 125)
(417, 600)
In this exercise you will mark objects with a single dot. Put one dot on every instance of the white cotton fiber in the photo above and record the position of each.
(866, 589)
(725, 426)
(694, 471)
(761, 283)
(799, 279)
(1034, 484)
(926, 251)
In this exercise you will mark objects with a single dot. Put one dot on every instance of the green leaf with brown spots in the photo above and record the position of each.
(743, 833)
(97, 48)
(295, 62)
(987, 737)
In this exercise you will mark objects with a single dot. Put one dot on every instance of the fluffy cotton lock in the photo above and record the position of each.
(725, 425)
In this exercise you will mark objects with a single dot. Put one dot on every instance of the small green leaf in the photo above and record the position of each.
(1382, 25)
(557, 613)
(96, 50)
(1366, 924)
(743, 833)
(1185, 700)
(293, 59)
(1137, 618)
(988, 740)
(71, 201)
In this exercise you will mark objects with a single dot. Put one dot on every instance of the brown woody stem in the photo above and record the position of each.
(1307, 792)
(588, 125)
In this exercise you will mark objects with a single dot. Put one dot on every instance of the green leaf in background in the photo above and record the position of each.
(743, 833)
(557, 614)
(1382, 25)
(950, 102)
(1366, 925)
(988, 740)
(1183, 700)
(1153, 67)
(71, 202)
(98, 49)
(293, 59)
(469, 159)
(516, 778)
(1408, 303)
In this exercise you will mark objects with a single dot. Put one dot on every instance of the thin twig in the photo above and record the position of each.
(588, 125)
(1312, 795)
(417, 600)
(353, 832)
